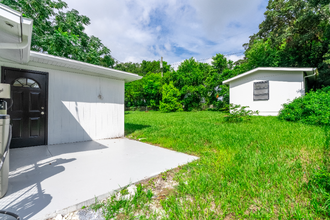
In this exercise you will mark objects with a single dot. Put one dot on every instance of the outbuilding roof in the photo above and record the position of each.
(15, 43)
(308, 70)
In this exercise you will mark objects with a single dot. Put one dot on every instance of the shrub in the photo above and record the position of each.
(313, 108)
(239, 113)
(170, 97)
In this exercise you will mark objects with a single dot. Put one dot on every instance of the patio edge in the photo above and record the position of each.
(89, 202)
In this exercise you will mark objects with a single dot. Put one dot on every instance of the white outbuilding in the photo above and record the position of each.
(57, 100)
(266, 89)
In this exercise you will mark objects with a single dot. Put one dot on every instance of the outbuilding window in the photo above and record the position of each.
(261, 90)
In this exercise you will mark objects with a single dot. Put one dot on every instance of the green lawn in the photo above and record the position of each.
(254, 169)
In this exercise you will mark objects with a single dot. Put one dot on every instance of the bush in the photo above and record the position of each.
(170, 97)
(313, 108)
(239, 113)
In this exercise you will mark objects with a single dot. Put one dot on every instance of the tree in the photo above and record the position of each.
(144, 92)
(295, 33)
(153, 67)
(134, 94)
(219, 62)
(143, 68)
(129, 67)
(152, 86)
(189, 80)
(61, 33)
(170, 100)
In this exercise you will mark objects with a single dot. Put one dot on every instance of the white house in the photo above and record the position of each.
(57, 100)
(266, 89)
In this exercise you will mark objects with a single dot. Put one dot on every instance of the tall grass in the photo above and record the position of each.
(255, 169)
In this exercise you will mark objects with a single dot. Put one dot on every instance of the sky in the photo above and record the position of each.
(136, 30)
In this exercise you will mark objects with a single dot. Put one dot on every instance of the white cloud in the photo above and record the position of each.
(135, 30)
(235, 57)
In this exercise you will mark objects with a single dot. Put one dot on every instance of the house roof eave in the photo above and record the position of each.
(308, 70)
(82, 66)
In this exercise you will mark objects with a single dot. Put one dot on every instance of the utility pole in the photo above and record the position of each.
(161, 65)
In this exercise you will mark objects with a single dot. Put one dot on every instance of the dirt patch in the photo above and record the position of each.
(304, 155)
(161, 183)
(121, 216)
(162, 186)
(229, 217)
(252, 208)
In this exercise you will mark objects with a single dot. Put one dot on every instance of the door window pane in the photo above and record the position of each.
(25, 82)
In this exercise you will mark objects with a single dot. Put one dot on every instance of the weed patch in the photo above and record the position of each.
(239, 113)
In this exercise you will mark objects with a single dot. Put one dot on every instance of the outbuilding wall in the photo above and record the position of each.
(283, 88)
(81, 107)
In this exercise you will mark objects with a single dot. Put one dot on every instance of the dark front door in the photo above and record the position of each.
(29, 110)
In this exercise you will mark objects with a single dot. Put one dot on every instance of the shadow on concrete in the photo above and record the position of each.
(73, 137)
(31, 166)
(31, 204)
(27, 198)
(60, 149)
(131, 128)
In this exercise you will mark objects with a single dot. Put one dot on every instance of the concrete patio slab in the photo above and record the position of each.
(46, 180)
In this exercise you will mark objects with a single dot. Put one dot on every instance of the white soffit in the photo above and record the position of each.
(82, 67)
(15, 35)
(308, 70)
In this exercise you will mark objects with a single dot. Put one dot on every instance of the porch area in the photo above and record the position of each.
(52, 179)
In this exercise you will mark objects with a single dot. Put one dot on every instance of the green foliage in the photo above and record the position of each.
(313, 108)
(128, 208)
(170, 101)
(61, 32)
(262, 55)
(220, 63)
(147, 91)
(143, 68)
(154, 67)
(144, 92)
(129, 67)
(188, 79)
(200, 83)
(295, 33)
(239, 113)
(96, 205)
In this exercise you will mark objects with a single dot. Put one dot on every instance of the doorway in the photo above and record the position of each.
(29, 112)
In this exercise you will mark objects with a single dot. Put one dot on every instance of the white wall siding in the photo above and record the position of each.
(283, 88)
(81, 107)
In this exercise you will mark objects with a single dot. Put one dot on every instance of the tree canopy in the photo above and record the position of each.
(295, 33)
(60, 32)
(143, 68)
